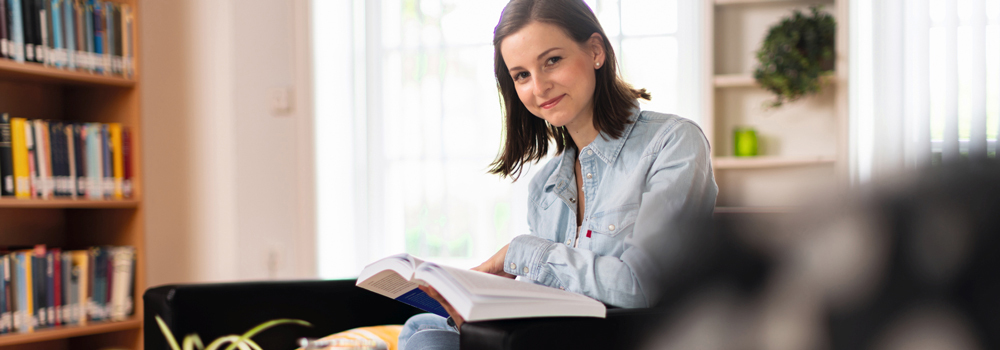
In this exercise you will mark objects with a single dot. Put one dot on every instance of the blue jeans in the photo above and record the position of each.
(428, 332)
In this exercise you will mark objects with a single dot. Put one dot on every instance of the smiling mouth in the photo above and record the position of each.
(552, 103)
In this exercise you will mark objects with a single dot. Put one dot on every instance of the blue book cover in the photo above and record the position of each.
(109, 35)
(88, 20)
(21, 320)
(68, 290)
(100, 283)
(17, 32)
(95, 165)
(57, 38)
(107, 162)
(97, 12)
(69, 31)
(50, 287)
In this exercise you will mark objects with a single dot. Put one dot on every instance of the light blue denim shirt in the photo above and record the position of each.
(635, 187)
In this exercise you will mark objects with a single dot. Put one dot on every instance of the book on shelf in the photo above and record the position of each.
(49, 287)
(474, 295)
(6, 163)
(87, 34)
(53, 159)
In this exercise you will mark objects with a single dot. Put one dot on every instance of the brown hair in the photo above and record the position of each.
(527, 137)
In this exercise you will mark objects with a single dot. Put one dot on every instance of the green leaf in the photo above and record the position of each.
(261, 327)
(167, 334)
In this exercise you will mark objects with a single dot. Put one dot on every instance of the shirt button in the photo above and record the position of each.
(590, 176)
(611, 227)
(590, 153)
(568, 241)
(572, 200)
(513, 266)
(525, 269)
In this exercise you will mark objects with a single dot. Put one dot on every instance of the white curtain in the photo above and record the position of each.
(925, 83)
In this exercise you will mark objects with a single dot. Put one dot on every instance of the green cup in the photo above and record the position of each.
(745, 142)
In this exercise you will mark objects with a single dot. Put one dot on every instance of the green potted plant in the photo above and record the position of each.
(795, 54)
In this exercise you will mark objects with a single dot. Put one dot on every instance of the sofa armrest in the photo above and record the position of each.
(214, 310)
(621, 329)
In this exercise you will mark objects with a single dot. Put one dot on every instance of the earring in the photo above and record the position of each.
(597, 65)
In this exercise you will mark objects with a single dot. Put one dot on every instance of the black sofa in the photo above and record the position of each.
(214, 310)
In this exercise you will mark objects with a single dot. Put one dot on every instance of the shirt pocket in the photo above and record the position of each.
(612, 223)
(544, 199)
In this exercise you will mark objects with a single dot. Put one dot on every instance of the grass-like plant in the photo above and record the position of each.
(243, 342)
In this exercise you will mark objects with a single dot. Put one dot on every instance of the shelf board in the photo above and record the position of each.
(10, 202)
(749, 2)
(38, 72)
(760, 162)
(753, 210)
(69, 332)
(747, 80)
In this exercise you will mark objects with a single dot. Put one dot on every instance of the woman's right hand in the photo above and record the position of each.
(494, 265)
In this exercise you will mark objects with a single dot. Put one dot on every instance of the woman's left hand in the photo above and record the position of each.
(447, 306)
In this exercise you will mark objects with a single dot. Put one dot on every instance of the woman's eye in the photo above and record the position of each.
(553, 60)
(520, 76)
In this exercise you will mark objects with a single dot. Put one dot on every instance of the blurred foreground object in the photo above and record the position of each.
(907, 265)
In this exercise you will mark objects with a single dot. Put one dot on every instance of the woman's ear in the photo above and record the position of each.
(596, 45)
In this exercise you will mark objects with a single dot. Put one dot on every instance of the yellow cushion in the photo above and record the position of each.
(388, 335)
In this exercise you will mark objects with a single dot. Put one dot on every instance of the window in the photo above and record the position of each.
(408, 120)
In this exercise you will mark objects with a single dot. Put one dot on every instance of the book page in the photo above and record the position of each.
(388, 283)
(403, 264)
(483, 284)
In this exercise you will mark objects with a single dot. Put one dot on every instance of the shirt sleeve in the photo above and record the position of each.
(679, 186)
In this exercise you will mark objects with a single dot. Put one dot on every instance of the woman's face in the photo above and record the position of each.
(553, 74)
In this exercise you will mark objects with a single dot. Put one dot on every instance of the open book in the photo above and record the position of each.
(474, 295)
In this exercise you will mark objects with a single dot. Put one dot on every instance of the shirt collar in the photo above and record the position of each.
(606, 148)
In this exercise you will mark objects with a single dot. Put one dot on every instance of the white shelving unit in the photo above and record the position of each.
(803, 145)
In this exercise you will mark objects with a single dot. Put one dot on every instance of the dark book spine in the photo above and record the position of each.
(57, 148)
(96, 11)
(95, 280)
(3, 295)
(49, 32)
(50, 292)
(119, 38)
(6, 157)
(81, 159)
(67, 288)
(110, 275)
(38, 289)
(4, 36)
(27, 8)
(55, 264)
(108, 161)
(44, 30)
(13, 289)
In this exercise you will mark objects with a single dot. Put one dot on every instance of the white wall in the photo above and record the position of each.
(227, 179)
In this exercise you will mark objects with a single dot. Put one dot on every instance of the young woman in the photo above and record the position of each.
(620, 176)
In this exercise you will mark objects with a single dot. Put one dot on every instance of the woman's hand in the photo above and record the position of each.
(447, 306)
(494, 265)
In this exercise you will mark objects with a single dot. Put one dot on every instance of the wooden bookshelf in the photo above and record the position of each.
(36, 91)
(747, 80)
(50, 334)
(36, 72)
(770, 162)
(803, 145)
(753, 2)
